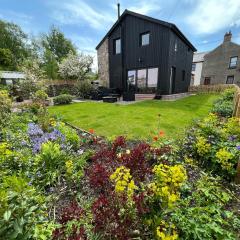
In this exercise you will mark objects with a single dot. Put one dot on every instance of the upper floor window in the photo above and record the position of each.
(144, 39)
(175, 46)
(233, 62)
(194, 67)
(117, 46)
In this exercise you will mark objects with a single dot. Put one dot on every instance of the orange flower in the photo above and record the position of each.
(161, 133)
(155, 138)
(91, 131)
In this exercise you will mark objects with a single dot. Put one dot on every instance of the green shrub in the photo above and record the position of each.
(214, 144)
(84, 89)
(26, 89)
(70, 134)
(5, 107)
(224, 105)
(40, 97)
(49, 164)
(202, 213)
(62, 99)
(223, 108)
(23, 211)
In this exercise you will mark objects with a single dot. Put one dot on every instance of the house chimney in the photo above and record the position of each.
(118, 7)
(227, 37)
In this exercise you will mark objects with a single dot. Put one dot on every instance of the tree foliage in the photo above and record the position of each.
(50, 65)
(6, 59)
(14, 40)
(57, 44)
(75, 66)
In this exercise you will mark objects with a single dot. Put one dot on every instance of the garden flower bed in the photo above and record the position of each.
(57, 182)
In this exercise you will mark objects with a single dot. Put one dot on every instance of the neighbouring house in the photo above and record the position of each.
(198, 59)
(145, 55)
(10, 77)
(221, 66)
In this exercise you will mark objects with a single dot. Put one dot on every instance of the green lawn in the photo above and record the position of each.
(139, 120)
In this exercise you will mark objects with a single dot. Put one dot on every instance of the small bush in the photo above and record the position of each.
(5, 107)
(40, 97)
(84, 89)
(224, 105)
(62, 99)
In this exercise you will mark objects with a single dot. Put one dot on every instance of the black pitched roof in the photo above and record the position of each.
(172, 26)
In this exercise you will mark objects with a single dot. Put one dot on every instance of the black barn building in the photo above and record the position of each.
(145, 55)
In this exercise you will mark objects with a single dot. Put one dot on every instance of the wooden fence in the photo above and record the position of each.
(218, 88)
(236, 102)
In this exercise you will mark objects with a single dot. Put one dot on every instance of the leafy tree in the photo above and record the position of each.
(57, 44)
(75, 66)
(15, 40)
(6, 59)
(50, 65)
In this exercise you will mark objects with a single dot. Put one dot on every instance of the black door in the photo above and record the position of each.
(172, 80)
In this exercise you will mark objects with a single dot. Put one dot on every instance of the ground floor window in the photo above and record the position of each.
(207, 80)
(143, 79)
(230, 80)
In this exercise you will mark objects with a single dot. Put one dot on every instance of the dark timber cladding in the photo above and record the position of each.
(168, 52)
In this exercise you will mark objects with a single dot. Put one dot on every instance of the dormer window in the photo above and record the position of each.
(233, 62)
(145, 39)
(117, 46)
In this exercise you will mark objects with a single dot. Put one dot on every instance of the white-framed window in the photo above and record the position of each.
(233, 62)
(145, 39)
(117, 46)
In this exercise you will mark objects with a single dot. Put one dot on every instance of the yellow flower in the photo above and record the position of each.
(69, 167)
(167, 182)
(223, 157)
(203, 147)
(166, 231)
(52, 122)
(123, 181)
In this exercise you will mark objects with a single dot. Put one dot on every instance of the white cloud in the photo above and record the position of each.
(140, 6)
(24, 20)
(79, 12)
(210, 16)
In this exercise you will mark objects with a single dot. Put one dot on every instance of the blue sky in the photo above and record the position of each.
(85, 22)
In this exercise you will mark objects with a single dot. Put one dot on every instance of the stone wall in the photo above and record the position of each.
(216, 63)
(103, 64)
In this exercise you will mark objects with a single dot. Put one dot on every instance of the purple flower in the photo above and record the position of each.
(38, 137)
(238, 147)
(232, 138)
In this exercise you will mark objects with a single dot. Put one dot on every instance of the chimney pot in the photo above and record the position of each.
(118, 7)
(228, 36)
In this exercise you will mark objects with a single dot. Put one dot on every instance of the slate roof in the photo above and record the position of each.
(171, 26)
